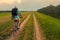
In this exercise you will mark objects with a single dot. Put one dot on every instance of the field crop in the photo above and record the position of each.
(5, 15)
(49, 25)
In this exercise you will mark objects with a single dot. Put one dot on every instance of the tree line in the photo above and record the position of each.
(4, 11)
(51, 11)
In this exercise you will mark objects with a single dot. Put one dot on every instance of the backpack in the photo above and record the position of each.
(14, 11)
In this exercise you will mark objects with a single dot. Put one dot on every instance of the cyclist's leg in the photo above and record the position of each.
(16, 25)
(14, 28)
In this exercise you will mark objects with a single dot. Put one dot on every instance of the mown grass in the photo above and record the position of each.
(28, 31)
(49, 25)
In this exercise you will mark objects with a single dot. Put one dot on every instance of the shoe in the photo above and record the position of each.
(17, 28)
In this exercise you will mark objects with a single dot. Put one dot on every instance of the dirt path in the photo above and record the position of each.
(38, 34)
(18, 32)
(25, 36)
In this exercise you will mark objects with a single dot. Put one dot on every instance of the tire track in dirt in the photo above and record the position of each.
(28, 30)
(25, 36)
(38, 34)
(18, 32)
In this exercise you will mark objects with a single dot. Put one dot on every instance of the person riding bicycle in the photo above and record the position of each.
(15, 16)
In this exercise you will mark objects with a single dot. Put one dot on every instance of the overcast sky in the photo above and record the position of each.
(26, 4)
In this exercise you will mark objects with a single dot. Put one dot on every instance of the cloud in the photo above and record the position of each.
(10, 1)
(27, 4)
(54, 2)
(6, 1)
(36, 4)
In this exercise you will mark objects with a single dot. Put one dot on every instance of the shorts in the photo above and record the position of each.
(15, 17)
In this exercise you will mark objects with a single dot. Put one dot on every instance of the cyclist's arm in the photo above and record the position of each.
(20, 15)
(19, 12)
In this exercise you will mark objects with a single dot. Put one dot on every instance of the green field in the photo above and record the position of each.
(50, 26)
(5, 15)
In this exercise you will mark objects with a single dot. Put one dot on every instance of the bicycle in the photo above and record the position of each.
(16, 26)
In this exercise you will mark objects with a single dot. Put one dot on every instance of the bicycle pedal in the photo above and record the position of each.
(18, 28)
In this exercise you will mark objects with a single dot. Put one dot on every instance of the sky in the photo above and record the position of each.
(27, 5)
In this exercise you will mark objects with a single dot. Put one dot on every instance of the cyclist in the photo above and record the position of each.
(15, 16)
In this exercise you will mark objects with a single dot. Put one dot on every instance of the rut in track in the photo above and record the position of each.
(38, 34)
(18, 32)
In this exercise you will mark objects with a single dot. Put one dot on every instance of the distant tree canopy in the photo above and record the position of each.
(51, 10)
(4, 11)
